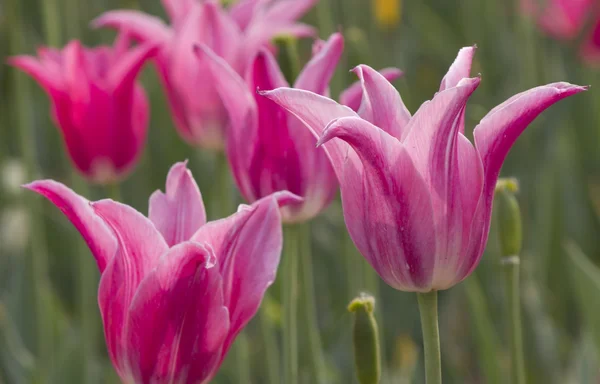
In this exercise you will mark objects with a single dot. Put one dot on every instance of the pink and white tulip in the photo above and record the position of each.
(268, 148)
(417, 195)
(235, 34)
(174, 290)
(97, 105)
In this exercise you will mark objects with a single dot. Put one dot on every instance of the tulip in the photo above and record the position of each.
(268, 148)
(174, 290)
(235, 34)
(417, 195)
(99, 108)
(565, 19)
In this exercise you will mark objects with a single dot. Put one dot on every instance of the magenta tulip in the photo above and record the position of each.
(268, 148)
(417, 195)
(174, 290)
(99, 108)
(566, 19)
(235, 35)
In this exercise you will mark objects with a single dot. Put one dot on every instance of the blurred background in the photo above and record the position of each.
(557, 161)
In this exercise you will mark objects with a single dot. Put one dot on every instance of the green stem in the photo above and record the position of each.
(484, 332)
(113, 191)
(351, 258)
(87, 282)
(428, 308)
(242, 358)
(289, 286)
(38, 256)
(310, 305)
(222, 191)
(52, 23)
(270, 343)
(513, 309)
(223, 199)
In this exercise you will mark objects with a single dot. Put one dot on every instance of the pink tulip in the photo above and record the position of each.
(565, 19)
(268, 148)
(235, 35)
(99, 108)
(417, 195)
(175, 290)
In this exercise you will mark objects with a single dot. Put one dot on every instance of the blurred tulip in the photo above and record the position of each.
(416, 194)
(565, 19)
(99, 108)
(268, 148)
(235, 34)
(175, 290)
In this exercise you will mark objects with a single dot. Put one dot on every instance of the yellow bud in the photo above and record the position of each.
(366, 340)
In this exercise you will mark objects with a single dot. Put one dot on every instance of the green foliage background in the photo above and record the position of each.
(44, 263)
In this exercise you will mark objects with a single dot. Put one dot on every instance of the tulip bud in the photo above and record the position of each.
(366, 340)
(509, 217)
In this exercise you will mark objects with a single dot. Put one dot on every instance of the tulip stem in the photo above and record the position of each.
(270, 342)
(428, 307)
(289, 286)
(513, 309)
(87, 281)
(310, 309)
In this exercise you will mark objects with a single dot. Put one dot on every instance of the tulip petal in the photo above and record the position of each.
(432, 142)
(179, 212)
(500, 128)
(140, 246)
(352, 96)
(50, 79)
(123, 73)
(177, 9)
(177, 320)
(98, 236)
(387, 207)
(381, 103)
(242, 12)
(318, 71)
(315, 112)
(247, 245)
(243, 115)
(289, 10)
(460, 69)
(141, 26)
(225, 35)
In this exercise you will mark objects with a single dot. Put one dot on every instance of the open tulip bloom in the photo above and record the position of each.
(416, 194)
(99, 108)
(235, 34)
(175, 290)
(268, 148)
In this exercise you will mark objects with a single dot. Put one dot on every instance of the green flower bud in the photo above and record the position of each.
(366, 340)
(509, 217)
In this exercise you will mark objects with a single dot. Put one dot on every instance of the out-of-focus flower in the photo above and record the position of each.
(99, 108)
(235, 34)
(565, 19)
(268, 148)
(387, 12)
(417, 195)
(175, 291)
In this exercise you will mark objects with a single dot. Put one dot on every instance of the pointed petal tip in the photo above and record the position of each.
(285, 198)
